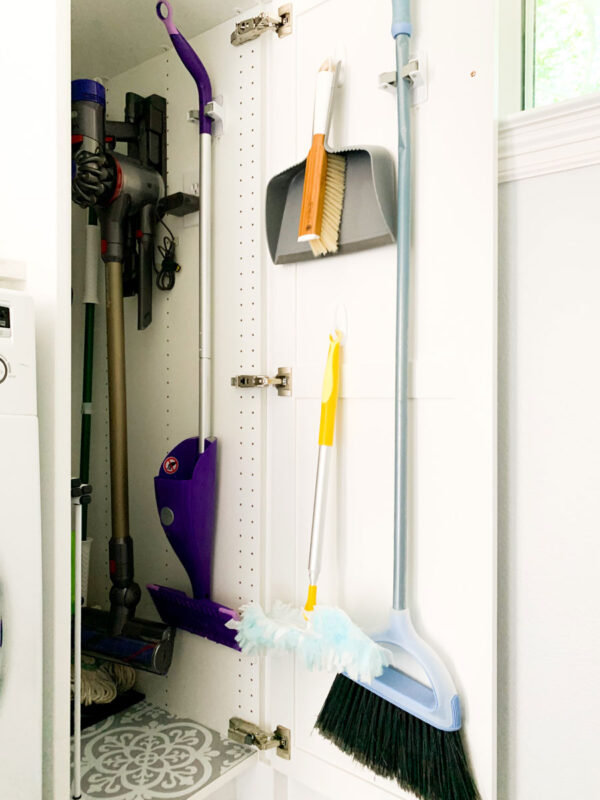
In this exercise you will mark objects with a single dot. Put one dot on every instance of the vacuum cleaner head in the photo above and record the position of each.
(143, 644)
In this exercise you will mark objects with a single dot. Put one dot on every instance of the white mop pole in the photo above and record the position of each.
(77, 654)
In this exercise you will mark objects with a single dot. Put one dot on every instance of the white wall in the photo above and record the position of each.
(549, 441)
(35, 228)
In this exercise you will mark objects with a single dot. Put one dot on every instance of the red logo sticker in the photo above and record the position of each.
(170, 465)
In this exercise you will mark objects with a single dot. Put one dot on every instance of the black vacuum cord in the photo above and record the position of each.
(165, 273)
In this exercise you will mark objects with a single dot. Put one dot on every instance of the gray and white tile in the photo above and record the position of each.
(146, 753)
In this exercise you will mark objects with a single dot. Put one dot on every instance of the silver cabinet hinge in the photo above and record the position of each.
(244, 732)
(282, 381)
(249, 29)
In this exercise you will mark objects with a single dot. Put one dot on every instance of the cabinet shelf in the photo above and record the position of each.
(147, 753)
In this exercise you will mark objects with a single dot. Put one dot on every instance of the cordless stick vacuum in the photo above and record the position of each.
(186, 484)
(124, 190)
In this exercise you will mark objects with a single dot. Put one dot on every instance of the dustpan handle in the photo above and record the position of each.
(402, 24)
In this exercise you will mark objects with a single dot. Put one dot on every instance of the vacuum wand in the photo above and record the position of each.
(125, 593)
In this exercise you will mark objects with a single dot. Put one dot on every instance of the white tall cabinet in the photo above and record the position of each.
(268, 316)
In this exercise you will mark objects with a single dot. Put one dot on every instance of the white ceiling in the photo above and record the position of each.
(111, 36)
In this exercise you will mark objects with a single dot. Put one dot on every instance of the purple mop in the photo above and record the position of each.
(186, 485)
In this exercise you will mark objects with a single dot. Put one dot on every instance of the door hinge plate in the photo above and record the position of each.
(245, 732)
(249, 29)
(282, 381)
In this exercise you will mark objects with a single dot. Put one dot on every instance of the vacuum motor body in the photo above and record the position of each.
(124, 189)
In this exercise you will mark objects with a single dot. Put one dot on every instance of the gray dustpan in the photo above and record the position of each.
(369, 215)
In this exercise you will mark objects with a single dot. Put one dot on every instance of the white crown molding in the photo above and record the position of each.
(550, 139)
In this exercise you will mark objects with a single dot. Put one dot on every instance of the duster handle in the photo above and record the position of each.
(329, 398)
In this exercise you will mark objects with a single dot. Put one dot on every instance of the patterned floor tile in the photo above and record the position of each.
(146, 753)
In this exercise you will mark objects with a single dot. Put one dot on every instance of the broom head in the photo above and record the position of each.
(399, 727)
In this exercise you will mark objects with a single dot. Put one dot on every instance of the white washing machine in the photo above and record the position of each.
(20, 555)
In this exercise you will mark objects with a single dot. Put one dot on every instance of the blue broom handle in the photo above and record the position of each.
(401, 18)
(402, 320)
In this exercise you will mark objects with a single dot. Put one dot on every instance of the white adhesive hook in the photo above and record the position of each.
(339, 56)
(341, 322)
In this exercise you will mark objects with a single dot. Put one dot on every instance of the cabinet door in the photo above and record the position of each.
(453, 352)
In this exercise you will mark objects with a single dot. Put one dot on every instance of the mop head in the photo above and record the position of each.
(101, 682)
(325, 639)
(430, 763)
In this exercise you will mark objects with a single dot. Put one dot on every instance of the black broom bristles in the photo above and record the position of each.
(430, 763)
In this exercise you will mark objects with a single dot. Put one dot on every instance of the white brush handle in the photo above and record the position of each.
(326, 81)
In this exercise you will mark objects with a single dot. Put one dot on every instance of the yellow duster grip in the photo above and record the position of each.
(311, 600)
(331, 386)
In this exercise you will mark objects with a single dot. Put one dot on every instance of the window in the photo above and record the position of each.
(562, 50)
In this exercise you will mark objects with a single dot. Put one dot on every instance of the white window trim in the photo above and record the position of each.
(528, 24)
(549, 139)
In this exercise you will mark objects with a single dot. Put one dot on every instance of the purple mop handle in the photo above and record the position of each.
(190, 61)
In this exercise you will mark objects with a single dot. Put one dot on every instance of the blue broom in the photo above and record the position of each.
(397, 726)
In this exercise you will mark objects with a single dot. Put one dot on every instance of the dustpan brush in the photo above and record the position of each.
(324, 175)
(395, 725)
(333, 205)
